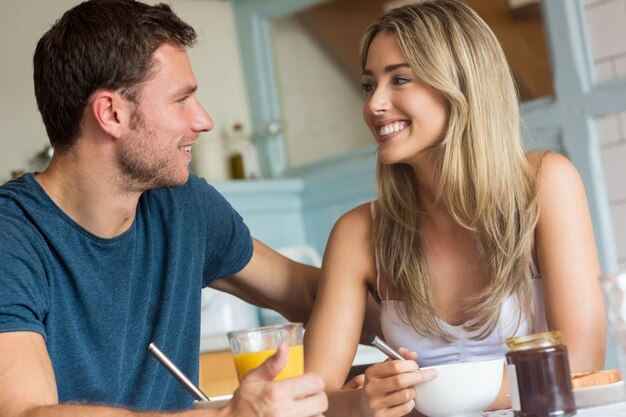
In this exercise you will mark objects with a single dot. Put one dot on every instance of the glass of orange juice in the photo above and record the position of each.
(251, 347)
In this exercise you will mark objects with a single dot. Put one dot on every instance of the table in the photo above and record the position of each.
(608, 410)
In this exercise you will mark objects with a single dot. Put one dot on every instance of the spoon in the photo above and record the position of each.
(378, 343)
(177, 373)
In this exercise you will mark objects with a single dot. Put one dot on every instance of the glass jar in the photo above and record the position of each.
(539, 376)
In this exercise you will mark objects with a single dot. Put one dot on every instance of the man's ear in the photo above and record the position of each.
(111, 111)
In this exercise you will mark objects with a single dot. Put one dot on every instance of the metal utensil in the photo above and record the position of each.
(378, 343)
(177, 373)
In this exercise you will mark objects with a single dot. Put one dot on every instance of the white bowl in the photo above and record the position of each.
(216, 402)
(460, 389)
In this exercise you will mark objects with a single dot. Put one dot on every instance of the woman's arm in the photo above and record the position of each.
(569, 266)
(332, 336)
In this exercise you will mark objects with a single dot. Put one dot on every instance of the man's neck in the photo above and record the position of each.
(91, 197)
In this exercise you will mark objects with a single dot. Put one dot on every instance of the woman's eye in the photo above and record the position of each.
(400, 80)
(367, 87)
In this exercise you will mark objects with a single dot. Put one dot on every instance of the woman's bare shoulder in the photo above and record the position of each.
(359, 217)
(554, 171)
(350, 245)
(353, 230)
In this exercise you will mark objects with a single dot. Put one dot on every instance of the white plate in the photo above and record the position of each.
(600, 394)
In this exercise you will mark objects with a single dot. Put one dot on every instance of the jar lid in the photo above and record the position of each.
(534, 341)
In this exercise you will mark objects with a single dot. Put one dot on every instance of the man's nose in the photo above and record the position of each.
(202, 121)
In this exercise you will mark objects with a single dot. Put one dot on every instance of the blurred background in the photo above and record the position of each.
(290, 151)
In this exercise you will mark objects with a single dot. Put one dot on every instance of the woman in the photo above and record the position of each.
(471, 240)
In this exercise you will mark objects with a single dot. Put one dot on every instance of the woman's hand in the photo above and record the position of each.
(388, 388)
(355, 383)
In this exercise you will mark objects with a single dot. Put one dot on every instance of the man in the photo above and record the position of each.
(107, 249)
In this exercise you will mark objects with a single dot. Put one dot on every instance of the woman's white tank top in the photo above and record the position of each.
(463, 348)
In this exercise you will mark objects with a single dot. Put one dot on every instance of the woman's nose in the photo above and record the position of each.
(378, 102)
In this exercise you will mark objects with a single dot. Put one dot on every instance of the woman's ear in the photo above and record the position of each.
(111, 112)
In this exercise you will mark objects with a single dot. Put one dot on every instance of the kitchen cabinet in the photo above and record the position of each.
(217, 373)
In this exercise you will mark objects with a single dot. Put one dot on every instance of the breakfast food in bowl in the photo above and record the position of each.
(460, 389)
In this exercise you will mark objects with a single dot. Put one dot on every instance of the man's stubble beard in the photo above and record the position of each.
(136, 161)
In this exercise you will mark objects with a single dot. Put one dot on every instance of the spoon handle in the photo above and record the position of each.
(177, 373)
(378, 343)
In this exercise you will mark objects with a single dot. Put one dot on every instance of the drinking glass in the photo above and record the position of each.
(251, 347)
(614, 288)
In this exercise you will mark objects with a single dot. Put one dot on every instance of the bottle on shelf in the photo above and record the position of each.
(242, 154)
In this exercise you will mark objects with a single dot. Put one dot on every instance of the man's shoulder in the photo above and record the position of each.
(18, 197)
(22, 209)
(17, 187)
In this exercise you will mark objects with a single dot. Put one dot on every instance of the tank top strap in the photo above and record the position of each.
(376, 258)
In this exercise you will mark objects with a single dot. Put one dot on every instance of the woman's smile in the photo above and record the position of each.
(394, 127)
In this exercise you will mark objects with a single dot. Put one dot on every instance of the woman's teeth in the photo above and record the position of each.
(392, 128)
(185, 148)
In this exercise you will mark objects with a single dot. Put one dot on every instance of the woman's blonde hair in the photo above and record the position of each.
(483, 175)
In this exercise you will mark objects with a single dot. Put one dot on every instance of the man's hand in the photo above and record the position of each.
(259, 396)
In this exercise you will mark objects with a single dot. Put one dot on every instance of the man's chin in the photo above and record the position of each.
(180, 181)
(185, 179)
(171, 182)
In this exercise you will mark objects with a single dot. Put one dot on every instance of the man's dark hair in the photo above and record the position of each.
(99, 44)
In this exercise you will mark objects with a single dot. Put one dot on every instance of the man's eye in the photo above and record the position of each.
(182, 100)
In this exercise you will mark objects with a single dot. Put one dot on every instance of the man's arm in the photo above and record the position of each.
(27, 384)
(271, 280)
(26, 376)
(28, 389)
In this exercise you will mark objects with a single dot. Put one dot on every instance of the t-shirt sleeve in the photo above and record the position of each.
(229, 244)
(23, 283)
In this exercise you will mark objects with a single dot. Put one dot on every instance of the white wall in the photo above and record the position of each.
(21, 25)
(215, 60)
(606, 22)
(321, 105)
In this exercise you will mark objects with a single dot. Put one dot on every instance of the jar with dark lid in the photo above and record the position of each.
(539, 376)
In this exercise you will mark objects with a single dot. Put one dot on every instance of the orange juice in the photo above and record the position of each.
(245, 362)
